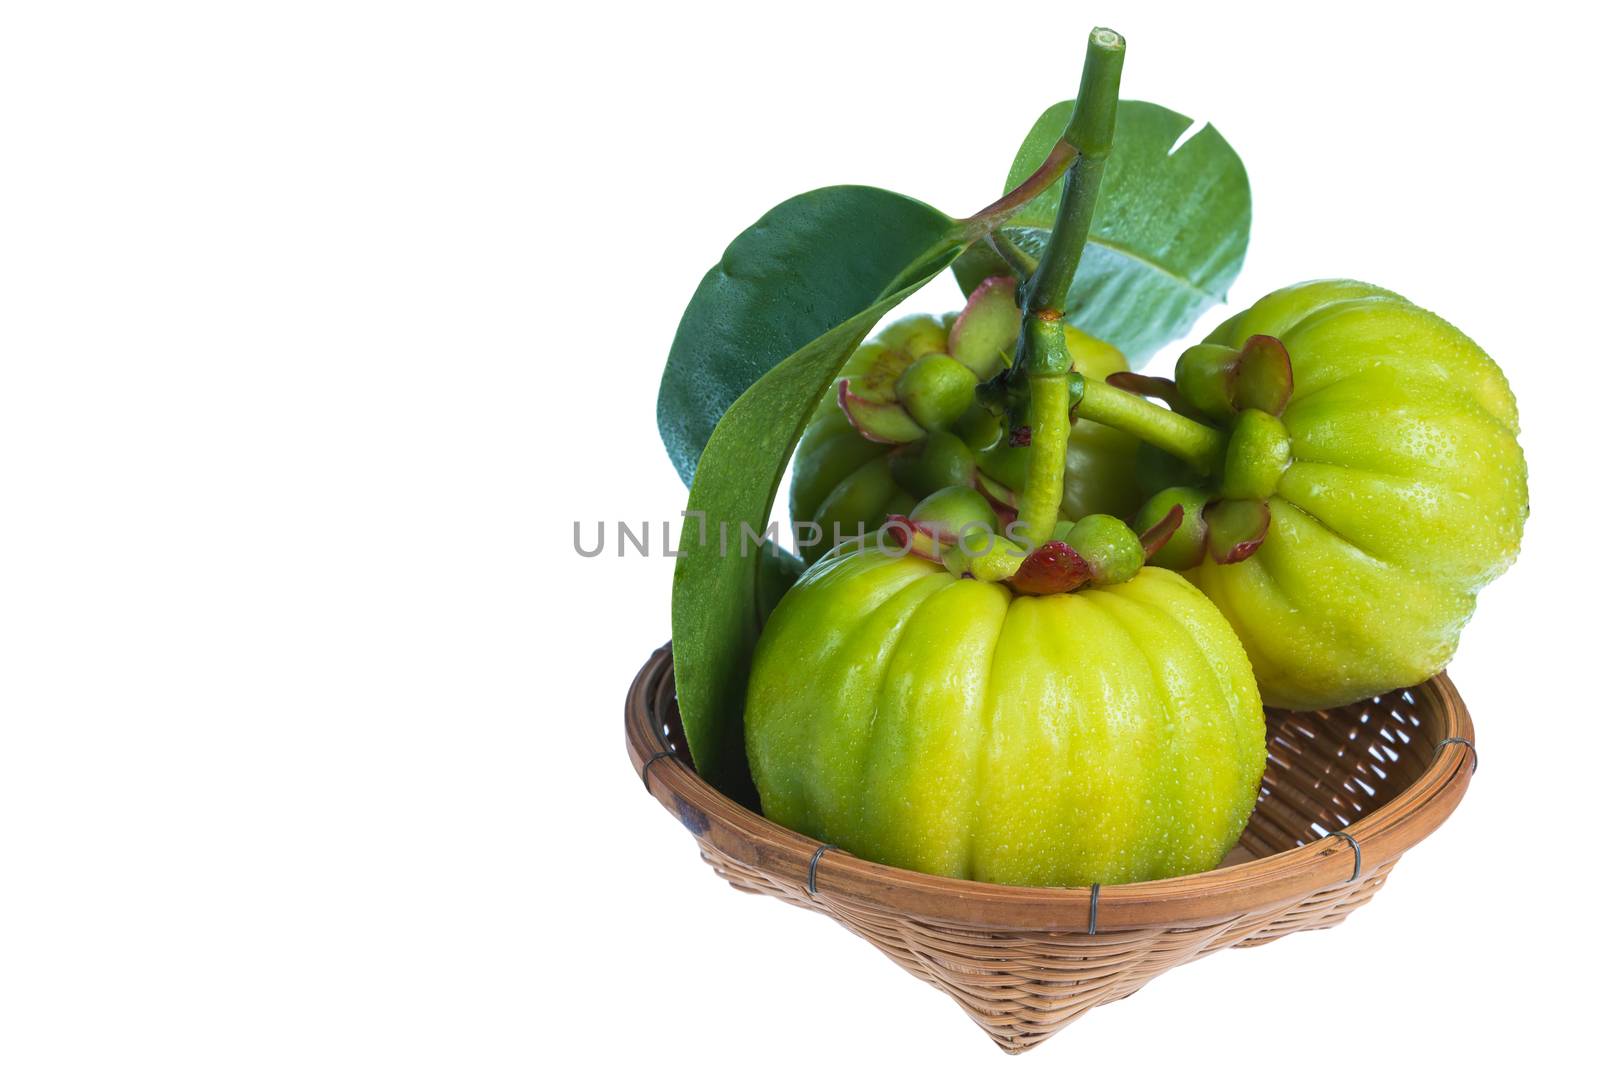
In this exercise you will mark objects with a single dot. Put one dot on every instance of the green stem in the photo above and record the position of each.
(1041, 346)
(1021, 263)
(1091, 128)
(1198, 445)
(1050, 416)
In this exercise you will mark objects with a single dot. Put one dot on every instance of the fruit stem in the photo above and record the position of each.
(1050, 416)
(1041, 345)
(1021, 263)
(1090, 130)
(1196, 444)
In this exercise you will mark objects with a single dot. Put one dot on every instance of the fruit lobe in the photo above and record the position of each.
(948, 726)
(1404, 494)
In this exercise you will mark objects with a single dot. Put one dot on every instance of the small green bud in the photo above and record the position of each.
(1205, 378)
(960, 519)
(1258, 455)
(979, 427)
(955, 511)
(936, 390)
(1109, 546)
(916, 335)
(939, 460)
(995, 559)
(1005, 462)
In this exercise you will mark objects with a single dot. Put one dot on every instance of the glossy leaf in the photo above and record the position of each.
(1169, 232)
(786, 280)
(815, 274)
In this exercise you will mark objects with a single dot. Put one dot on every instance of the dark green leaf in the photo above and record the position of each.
(775, 273)
(1169, 233)
(805, 267)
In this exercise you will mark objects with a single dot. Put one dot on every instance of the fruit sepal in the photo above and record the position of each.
(987, 327)
(1155, 537)
(1054, 567)
(885, 422)
(1179, 546)
(1164, 390)
(1220, 381)
(1236, 529)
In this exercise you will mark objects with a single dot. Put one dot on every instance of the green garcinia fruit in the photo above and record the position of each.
(956, 727)
(1365, 484)
(901, 421)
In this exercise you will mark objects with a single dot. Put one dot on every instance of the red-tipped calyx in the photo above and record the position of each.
(1236, 529)
(1156, 537)
(999, 494)
(944, 519)
(1002, 498)
(987, 327)
(1054, 567)
(1264, 377)
(1164, 390)
(919, 539)
(1221, 382)
(1183, 545)
(886, 422)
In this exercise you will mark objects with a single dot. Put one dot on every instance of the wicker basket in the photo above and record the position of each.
(1346, 792)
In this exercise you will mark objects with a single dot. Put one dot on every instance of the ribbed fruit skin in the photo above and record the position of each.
(1406, 495)
(947, 726)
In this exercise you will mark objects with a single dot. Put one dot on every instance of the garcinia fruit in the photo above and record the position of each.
(1365, 485)
(956, 727)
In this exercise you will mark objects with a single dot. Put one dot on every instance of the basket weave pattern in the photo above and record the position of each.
(1346, 791)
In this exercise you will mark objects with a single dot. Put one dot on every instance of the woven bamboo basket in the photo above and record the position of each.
(1346, 792)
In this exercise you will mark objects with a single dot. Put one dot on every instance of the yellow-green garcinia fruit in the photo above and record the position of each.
(1366, 484)
(956, 727)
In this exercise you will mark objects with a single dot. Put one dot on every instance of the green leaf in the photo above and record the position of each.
(805, 267)
(804, 277)
(1169, 234)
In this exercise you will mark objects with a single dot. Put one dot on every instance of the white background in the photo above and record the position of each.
(322, 324)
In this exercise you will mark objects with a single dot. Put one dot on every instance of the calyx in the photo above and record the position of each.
(1225, 474)
(919, 377)
(1221, 382)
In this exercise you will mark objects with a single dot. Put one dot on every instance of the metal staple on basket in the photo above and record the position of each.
(1355, 845)
(644, 774)
(811, 870)
(1460, 741)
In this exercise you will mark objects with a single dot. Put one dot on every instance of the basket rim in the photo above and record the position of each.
(1198, 900)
